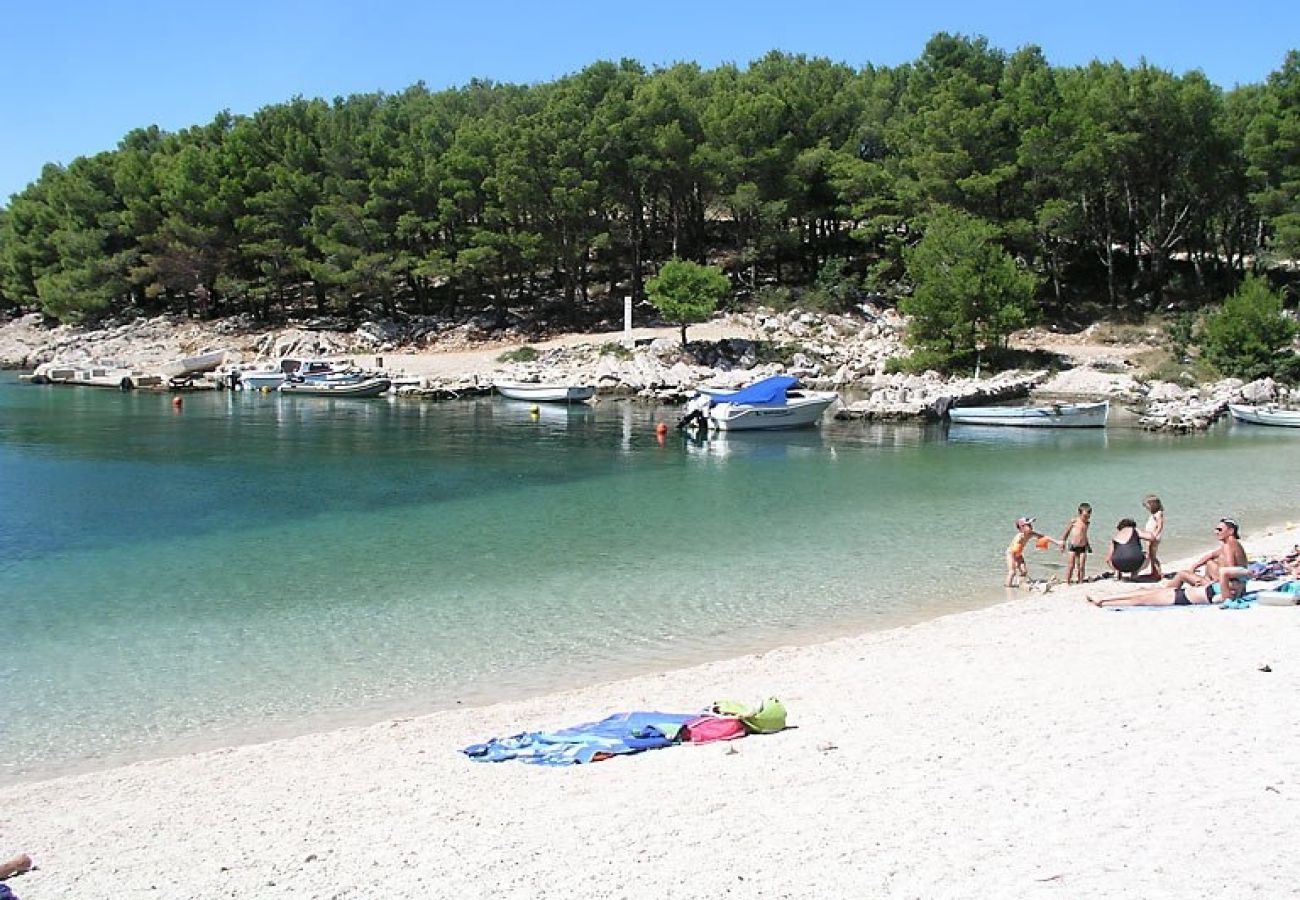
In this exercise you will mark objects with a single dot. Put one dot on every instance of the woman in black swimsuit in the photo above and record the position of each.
(1125, 555)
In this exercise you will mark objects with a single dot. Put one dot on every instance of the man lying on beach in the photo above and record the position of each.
(1224, 578)
(16, 866)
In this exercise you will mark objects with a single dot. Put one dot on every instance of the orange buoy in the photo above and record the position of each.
(661, 429)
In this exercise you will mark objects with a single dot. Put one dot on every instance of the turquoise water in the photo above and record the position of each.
(254, 565)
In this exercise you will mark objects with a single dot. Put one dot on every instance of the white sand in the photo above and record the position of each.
(1040, 748)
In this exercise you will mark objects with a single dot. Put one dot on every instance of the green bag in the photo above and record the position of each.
(766, 718)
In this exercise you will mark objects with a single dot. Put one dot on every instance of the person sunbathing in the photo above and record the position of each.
(1224, 578)
(16, 866)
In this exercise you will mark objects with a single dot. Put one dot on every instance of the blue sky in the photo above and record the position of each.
(78, 75)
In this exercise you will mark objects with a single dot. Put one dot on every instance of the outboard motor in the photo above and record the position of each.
(696, 417)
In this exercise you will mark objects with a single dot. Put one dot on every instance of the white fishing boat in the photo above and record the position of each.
(1057, 415)
(1265, 415)
(194, 365)
(359, 386)
(767, 405)
(539, 392)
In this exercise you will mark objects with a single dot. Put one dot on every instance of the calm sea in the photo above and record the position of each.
(254, 565)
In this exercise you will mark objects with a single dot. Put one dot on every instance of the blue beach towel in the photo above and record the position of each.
(616, 735)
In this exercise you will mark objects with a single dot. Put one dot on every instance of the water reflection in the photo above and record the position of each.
(1025, 438)
(552, 415)
(760, 445)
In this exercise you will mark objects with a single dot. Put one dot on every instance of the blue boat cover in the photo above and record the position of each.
(768, 392)
(621, 733)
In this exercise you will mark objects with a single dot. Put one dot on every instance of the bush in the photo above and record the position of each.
(969, 295)
(616, 350)
(919, 361)
(522, 354)
(1249, 337)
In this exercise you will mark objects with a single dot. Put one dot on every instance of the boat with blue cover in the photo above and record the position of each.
(770, 404)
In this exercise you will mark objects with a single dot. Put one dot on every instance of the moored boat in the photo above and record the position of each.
(1265, 415)
(1057, 415)
(539, 392)
(770, 404)
(110, 376)
(337, 387)
(194, 365)
(270, 377)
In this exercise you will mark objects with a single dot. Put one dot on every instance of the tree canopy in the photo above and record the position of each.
(685, 292)
(1134, 187)
(969, 294)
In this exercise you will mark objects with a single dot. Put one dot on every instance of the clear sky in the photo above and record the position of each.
(80, 74)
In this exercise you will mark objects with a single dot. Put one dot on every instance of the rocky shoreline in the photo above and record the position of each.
(847, 353)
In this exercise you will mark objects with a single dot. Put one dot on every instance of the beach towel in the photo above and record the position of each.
(709, 728)
(616, 735)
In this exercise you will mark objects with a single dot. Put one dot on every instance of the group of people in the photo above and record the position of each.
(1218, 575)
(1125, 556)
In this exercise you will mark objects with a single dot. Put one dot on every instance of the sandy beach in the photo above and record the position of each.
(1041, 747)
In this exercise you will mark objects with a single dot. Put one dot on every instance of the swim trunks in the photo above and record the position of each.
(1079, 548)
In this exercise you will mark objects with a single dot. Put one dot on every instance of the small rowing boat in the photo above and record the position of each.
(1265, 415)
(1058, 415)
(538, 392)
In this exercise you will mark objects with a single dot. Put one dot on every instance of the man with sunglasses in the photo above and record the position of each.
(1225, 576)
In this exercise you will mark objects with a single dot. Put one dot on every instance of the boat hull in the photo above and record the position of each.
(545, 393)
(367, 387)
(194, 365)
(1264, 415)
(1061, 415)
(799, 411)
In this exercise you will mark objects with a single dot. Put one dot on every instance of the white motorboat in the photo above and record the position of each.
(768, 405)
(357, 386)
(1265, 415)
(1058, 415)
(194, 365)
(271, 377)
(539, 392)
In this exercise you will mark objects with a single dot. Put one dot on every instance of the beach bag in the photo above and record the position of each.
(768, 717)
(707, 729)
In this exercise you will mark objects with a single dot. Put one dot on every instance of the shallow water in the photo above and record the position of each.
(256, 565)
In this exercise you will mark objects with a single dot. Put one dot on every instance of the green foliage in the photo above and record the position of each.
(519, 355)
(1102, 179)
(1272, 147)
(1180, 332)
(775, 297)
(1249, 336)
(918, 361)
(686, 292)
(969, 295)
(616, 350)
(836, 289)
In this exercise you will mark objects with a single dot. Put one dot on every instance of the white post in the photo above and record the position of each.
(627, 323)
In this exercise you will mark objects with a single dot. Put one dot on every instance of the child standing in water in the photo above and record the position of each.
(1155, 528)
(1025, 533)
(1075, 542)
